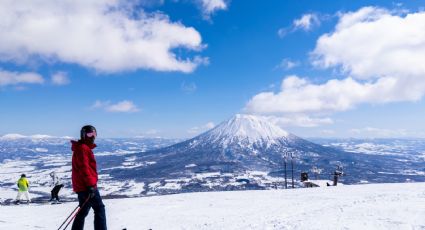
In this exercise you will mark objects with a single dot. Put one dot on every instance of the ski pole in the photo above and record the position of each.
(68, 217)
(88, 198)
(79, 209)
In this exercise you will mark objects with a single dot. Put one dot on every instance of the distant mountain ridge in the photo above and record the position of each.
(16, 136)
(238, 154)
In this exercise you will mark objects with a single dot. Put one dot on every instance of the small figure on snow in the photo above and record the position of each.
(337, 174)
(57, 187)
(23, 186)
(84, 180)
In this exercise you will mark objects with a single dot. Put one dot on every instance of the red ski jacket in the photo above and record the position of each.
(84, 172)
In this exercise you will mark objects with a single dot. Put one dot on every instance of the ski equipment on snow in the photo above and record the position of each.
(78, 208)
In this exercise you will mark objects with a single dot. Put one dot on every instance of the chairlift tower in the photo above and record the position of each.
(286, 182)
(285, 156)
(292, 169)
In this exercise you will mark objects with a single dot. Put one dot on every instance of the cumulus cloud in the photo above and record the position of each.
(381, 55)
(383, 47)
(100, 34)
(17, 78)
(299, 120)
(307, 22)
(200, 129)
(287, 64)
(298, 95)
(210, 6)
(60, 78)
(119, 107)
(123, 106)
(374, 43)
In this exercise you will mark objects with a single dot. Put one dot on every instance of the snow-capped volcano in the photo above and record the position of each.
(244, 128)
(244, 142)
(246, 135)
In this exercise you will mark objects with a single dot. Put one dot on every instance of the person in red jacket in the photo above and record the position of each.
(84, 180)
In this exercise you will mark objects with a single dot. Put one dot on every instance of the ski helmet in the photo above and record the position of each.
(87, 129)
(23, 175)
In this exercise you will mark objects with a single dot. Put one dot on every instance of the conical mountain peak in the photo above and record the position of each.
(248, 128)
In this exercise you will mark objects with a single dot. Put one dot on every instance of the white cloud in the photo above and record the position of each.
(380, 53)
(298, 95)
(300, 120)
(287, 64)
(387, 50)
(373, 43)
(282, 32)
(100, 104)
(200, 129)
(99, 34)
(123, 106)
(60, 78)
(306, 22)
(372, 132)
(119, 107)
(16, 78)
(210, 6)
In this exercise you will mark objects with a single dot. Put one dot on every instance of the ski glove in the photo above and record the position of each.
(91, 190)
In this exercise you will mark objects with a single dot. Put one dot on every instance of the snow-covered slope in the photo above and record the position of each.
(242, 138)
(380, 206)
(244, 129)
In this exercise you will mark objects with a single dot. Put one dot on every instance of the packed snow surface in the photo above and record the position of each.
(373, 206)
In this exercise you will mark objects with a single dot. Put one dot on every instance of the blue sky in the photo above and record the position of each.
(176, 68)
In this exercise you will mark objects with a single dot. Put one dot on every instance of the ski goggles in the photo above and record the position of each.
(91, 134)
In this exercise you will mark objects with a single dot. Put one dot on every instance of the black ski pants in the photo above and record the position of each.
(99, 211)
(55, 192)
